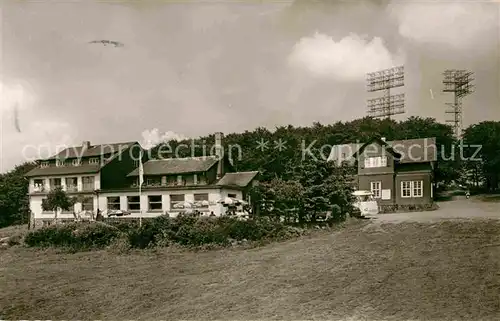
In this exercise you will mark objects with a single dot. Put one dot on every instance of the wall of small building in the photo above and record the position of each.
(231, 193)
(214, 195)
(425, 177)
(387, 183)
(393, 182)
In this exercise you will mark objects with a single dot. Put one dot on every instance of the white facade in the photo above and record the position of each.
(42, 184)
(101, 202)
(214, 195)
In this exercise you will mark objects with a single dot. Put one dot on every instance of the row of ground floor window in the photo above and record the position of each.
(409, 189)
(147, 202)
(401, 189)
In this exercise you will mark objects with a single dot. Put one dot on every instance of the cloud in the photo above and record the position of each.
(152, 137)
(16, 93)
(39, 139)
(347, 60)
(459, 25)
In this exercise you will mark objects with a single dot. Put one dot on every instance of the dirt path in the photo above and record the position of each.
(459, 208)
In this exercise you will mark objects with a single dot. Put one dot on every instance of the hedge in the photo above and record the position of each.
(160, 232)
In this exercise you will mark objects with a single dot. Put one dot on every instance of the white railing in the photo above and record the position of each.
(71, 188)
(39, 189)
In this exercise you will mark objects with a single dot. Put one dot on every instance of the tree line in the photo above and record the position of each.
(285, 171)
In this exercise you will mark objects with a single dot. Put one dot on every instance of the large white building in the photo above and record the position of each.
(105, 179)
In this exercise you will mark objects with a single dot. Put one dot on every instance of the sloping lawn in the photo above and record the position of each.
(445, 271)
(491, 198)
(12, 230)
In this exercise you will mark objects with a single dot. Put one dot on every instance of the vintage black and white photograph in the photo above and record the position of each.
(250, 160)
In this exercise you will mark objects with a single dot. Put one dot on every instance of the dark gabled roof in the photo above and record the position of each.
(177, 165)
(70, 170)
(343, 152)
(241, 179)
(63, 170)
(408, 151)
(92, 151)
(380, 142)
(416, 150)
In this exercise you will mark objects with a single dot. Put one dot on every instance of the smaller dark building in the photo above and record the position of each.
(397, 172)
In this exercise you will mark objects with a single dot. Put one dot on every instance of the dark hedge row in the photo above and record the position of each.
(78, 236)
(160, 231)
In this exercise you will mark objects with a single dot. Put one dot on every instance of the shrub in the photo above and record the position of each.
(55, 235)
(75, 235)
(16, 239)
(120, 245)
(207, 232)
(408, 208)
(337, 214)
(151, 232)
(193, 231)
(96, 235)
(124, 225)
(254, 230)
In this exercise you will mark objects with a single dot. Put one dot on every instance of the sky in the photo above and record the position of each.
(191, 68)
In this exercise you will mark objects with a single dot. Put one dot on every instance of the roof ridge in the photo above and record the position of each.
(186, 158)
(93, 146)
(244, 172)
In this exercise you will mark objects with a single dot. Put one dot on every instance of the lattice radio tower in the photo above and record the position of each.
(388, 104)
(459, 83)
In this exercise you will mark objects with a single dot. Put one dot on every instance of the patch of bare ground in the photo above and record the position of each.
(12, 230)
(411, 271)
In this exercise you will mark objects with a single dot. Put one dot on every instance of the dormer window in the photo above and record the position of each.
(44, 164)
(60, 163)
(373, 162)
(94, 161)
(76, 162)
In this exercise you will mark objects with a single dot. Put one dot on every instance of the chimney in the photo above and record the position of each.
(85, 145)
(219, 152)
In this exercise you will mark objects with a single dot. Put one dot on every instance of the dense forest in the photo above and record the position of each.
(284, 167)
(298, 141)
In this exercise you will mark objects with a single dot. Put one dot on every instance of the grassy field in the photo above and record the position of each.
(491, 198)
(12, 230)
(442, 271)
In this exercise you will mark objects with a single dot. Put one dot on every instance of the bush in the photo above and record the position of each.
(120, 245)
(193, 231)
(97, 235)
(337, 214)
(408, 208)
(162, 231)
(16, 239)
(80, 236)
(203, 231)
(124, 225)
(253, 230)
(55, 235)
(151, 232)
